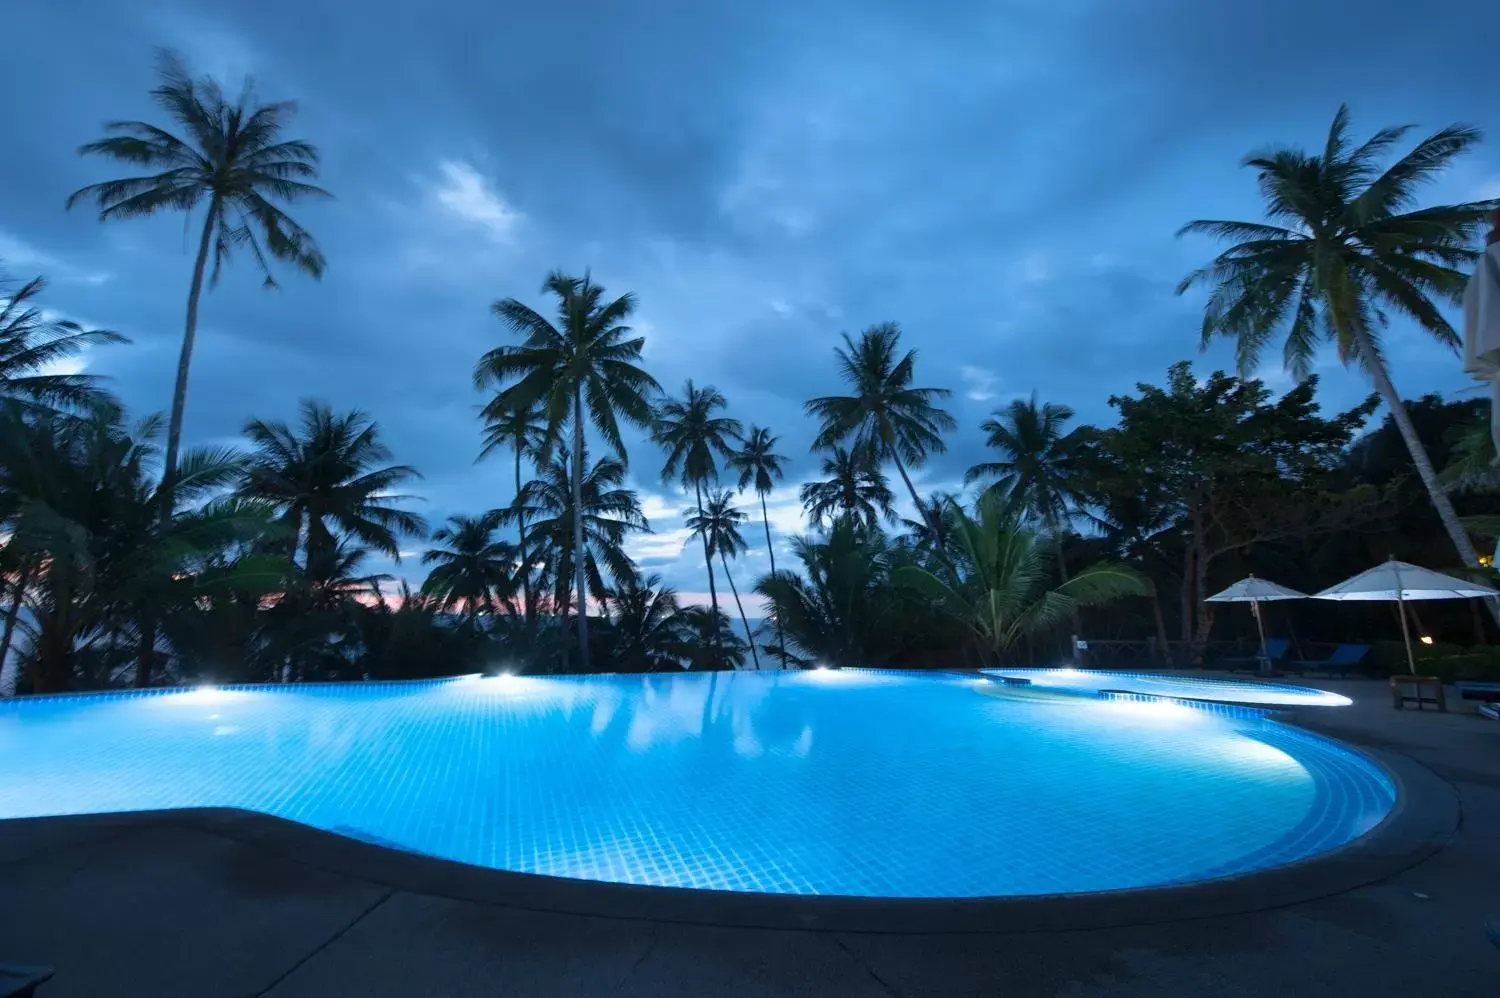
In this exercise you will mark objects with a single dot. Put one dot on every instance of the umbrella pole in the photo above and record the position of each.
(1263, 663)
(1411, 663)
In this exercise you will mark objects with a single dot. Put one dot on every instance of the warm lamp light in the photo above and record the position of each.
(1426, 639)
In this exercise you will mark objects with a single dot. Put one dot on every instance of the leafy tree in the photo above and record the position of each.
(695, 440)
(472, 569)
(854, 487)
(884, 412)
(410, 637)
(329, 474)
(234, 161)
(610, 513)
(718, 524)
(525, 432)
(761, 467)
(1001, 593)
(1235, 468)
(585, 367)
(32, 343)
(1343, 246)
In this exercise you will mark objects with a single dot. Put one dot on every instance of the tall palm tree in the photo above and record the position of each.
(761, 467)
(1036, 472)
(610, 513)
(695, 439)
(884, 413)
(854, 487)
(233, 160)
(585, 367)
(1000, 592)
(1344, 245)
(32, 343)
(328, 474)
(472, 569)
(718, 523)
(525, 432)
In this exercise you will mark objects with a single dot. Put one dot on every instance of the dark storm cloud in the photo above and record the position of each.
(1003, 180)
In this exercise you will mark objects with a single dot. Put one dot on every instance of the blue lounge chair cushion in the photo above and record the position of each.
(1343, 658)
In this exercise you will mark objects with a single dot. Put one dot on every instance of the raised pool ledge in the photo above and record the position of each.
(1425, 818)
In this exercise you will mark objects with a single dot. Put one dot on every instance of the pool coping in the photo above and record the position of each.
(1425, 819)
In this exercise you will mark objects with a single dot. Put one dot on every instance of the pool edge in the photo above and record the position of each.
(1424, 819)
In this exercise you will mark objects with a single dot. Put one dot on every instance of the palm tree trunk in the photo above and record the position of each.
(765, 518)
(8, 674)
(743, 619)
(713, 591)
(1419, 457)
(1161, 628)
(146, 652)
(527, 609)
(580, 578)
(916, 500)
(1062, 576)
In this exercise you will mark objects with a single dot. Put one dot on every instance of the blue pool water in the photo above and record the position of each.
(844, 782)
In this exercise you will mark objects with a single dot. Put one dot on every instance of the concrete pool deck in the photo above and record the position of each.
(168, 907)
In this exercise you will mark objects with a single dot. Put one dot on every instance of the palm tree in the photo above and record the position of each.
(1036, 472)
(718, 523)
(1001, 591)
(329, 474)
(709, 641)
(524, 431)
(884, 413)
(584, 367)
(32, 343)
(610, 512)
(235, 161)
(1342, 247)
(854, 487)
(760, 466)
(695, 439)
(646, 622)
(472, 569)
(842, 609)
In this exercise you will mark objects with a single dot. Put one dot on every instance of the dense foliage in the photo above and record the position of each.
(123, 561)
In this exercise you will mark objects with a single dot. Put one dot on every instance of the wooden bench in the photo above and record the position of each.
(1420, 690)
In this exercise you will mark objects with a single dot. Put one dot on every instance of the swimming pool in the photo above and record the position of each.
(1181, 686)
(845, 782)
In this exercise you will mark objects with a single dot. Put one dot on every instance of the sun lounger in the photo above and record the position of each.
(21, 982)
(1478, 691)
(1345, 659)
(1276, 649)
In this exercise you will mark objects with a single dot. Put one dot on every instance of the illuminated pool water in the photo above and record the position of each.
(1181, 686)
(847, 783)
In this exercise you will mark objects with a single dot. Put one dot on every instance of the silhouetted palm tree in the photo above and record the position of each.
(854, 487)
(695, 439)
(584, 367)
(718, 523)
(233, 160)
(329, 474)
(1343, 246)
(760, 466)
(610, 513)
(472, 570)
(884, 412)
(649, 634)
(32, 344)
(525, 432)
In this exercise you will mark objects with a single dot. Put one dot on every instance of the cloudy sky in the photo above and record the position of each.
(1002, 178)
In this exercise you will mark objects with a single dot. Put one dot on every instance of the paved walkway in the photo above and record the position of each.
(168, 910)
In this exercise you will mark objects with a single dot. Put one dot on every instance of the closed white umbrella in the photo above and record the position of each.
(1402, 581)
(1255, 592)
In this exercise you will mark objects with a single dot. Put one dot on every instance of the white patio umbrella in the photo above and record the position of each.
(1255, 592)
(1402, 581)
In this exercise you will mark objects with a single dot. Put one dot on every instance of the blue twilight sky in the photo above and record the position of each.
(1002, 178)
